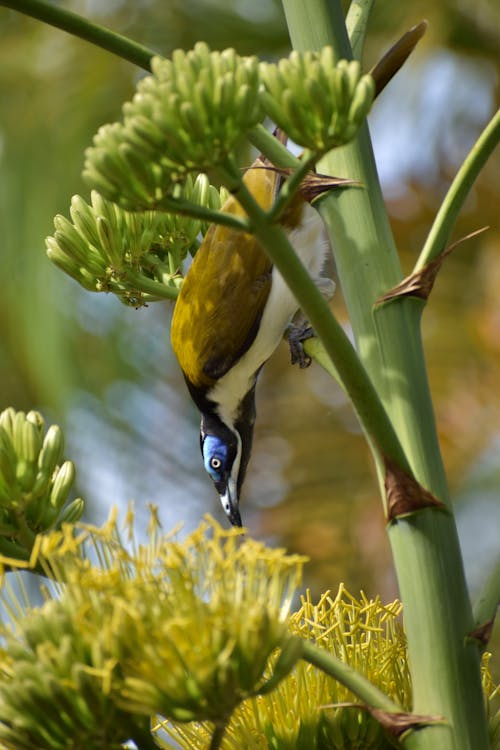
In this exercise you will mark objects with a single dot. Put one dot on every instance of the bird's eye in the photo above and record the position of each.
(215, 456)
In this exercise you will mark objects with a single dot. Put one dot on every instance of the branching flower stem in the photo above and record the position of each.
(186, 208)
(275, 151)
(217, 736)
(54, 15)
(291, 186)
(438, 613)
(459, 189)
(337, 345)
(351, 678)
(357, 23)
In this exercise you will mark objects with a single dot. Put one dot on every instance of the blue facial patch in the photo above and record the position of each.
(214, 456)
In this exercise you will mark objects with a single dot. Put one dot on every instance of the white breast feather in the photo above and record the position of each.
(310, 245)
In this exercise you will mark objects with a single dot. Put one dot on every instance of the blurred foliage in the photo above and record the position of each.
(107, 373)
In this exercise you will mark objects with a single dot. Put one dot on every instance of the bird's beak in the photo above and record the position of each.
(229, 502)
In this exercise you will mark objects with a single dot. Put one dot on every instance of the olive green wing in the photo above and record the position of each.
(222, 298)
(220, 304)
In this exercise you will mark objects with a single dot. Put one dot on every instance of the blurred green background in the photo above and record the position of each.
(106, 373)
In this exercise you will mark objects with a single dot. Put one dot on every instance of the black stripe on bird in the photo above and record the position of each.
(232, 312)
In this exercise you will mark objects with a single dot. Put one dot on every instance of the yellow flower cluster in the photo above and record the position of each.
(181, 629)
(192, 641)
(308, 709)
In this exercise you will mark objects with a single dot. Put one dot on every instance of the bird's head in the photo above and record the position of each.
(226, 451)
(221, 451)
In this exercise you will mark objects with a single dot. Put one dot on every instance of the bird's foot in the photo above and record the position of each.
(297, 334)
(299, 330)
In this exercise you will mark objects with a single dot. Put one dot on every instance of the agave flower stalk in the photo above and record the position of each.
(438, 612)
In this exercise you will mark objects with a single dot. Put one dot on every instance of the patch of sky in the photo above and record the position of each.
(478, 516)
(430, 115)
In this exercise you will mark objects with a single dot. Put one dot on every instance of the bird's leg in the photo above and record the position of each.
(297, 333)
(299, 329)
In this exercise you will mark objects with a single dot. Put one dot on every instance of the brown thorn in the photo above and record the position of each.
(313, 185)
(404, 494)
(394, 722)
(398, 724)
(483, 632)
(396, 56)
(420, 283)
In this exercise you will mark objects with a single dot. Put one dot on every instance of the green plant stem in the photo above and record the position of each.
(153, 288)
(356, 24)
(24, 535)
(78, 26)
(14, 550)
(318, 23)
(185, 208)
(488, 600)
(352, 679)
(438, 614)
(459, 189)
(290, 187)
(338, 347)
(217, 736)
(315, 349)
(271, 147)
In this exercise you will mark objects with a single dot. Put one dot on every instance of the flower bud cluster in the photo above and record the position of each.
(35, 482)
(320, 103)
(187, 116)
(55, 690)
(135, 255)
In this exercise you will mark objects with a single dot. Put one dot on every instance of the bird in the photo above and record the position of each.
(232, 311)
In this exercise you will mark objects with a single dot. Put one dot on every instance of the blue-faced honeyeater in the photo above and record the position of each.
(232, 311)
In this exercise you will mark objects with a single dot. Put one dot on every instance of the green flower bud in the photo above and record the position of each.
(68, 265)
(72, 512)
(318, 102)
(51, 453)
(61, 486)
(361, 100)
(110, 170)
(33, 485)
(54, 693)
(8, 458)
(28, 445)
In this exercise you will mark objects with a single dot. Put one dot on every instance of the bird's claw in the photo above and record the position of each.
(296, 336)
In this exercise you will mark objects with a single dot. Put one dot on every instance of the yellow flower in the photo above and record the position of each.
(305, 711)
(181, 629)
